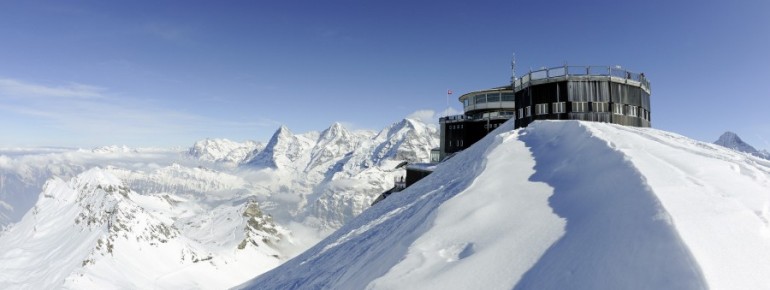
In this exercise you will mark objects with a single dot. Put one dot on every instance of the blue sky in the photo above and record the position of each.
(168, 73)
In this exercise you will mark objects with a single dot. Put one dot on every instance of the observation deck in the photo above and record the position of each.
(503, 99)
(615, 74)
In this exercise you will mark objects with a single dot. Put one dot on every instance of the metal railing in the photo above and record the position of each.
(567, 71)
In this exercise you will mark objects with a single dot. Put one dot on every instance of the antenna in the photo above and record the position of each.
(513, 69)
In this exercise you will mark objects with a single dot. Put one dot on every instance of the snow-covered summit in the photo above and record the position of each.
(334, 142)
(337, 173)
(94, 232)
(283, 149)
(223, 150)
(405, 140)
(558, 205)
(732, 141)
(114, 149)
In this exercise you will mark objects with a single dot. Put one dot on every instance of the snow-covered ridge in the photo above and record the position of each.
(195, 211)
(114, 149)
(408, 140)
(558, 205)
(95, 232)
(223, 150)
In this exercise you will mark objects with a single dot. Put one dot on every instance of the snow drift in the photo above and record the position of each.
(558, 205)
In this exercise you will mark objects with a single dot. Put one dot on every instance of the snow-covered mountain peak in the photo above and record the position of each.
(223, 150)
(283, 130)
(732, 141)
(407, 140)
(93, 232)
(283, 150)
(114, 149)
(729, 139)
(282, 135)
(336, 130)
(97, 178)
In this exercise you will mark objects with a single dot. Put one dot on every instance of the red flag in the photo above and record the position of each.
(449, 92)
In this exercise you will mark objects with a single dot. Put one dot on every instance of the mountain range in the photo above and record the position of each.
(219, 212)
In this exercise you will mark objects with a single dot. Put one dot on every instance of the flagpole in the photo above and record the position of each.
(446, 109)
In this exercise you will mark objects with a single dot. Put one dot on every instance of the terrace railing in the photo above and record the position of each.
(614, 72)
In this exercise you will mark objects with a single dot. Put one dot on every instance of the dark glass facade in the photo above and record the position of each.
(594, 93)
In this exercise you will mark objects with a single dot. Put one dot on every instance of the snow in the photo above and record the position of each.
(198, 218)
(223, 150)
(94, 232)
(558, 205)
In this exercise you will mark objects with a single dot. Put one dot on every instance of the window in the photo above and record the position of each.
(599, 106)
(493, 97)
(541, 109)
(617, 109)
(559, 107)
(481, 99)
(508, 97)
(632, 111)
(579, 107)
(467, 102)
(521, 113)
(528, 111)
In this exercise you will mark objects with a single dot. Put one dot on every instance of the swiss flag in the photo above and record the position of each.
(449, 92)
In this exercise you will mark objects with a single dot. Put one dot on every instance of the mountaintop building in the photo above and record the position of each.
(609, 94)
(588, 93)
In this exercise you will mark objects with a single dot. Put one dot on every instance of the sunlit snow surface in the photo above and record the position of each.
(203, 218)
(558, 205)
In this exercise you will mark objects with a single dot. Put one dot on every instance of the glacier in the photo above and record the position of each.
(558, 205)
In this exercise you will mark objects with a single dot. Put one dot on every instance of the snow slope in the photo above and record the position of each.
(218, 222)
(94, 232)
(558, 205)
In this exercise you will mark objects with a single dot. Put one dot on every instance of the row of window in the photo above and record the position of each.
(486, 126)
(488, 98)
(584, 107)
(458, 143)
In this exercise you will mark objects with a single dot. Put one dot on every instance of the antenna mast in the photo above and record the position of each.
(513, 69)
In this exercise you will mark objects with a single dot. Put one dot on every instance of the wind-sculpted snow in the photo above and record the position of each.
(558, 205)
(618, 235)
